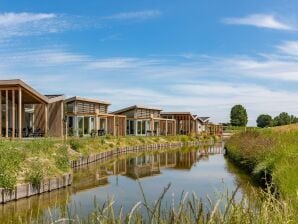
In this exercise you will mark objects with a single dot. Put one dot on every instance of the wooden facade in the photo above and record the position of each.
(186, 123)
(146, 121)
(24, 112)
(215, 129)
(17, 109)
(89, 116)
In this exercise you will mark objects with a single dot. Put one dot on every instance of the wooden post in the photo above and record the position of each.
(0, 113)
(125, 126)
(6, 114)
(20, 112)
(46, 119)
(114, 124)
(166, 127)
(106, 125)
(13, 111)
(62, 119)
(189, 125)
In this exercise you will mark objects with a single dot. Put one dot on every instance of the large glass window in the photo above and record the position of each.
(143, 127)
(86, 125)
(156, 128)
(92, 123)
(70, 125)
(81, 125)
(130, 127)
(102, 123)
(139, 127)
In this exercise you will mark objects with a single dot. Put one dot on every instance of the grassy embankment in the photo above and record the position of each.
(33, 160)
(271, 152)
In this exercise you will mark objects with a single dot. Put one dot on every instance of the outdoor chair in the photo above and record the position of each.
(101, 132)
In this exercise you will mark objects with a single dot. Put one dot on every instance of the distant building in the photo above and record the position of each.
(142, 120)
(84, 116)
(185, 122)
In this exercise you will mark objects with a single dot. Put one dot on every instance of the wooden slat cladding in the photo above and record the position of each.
(70, 107)
(103, 109)
(56, 119)
(145, 113)
(84, 107)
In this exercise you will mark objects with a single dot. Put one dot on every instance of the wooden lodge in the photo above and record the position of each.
(89, 116)
(185, 122)
(24, 112)
(147, 121)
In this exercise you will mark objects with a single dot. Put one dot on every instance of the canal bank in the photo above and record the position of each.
(200, 169)
(270, 156)
(39, 159)
(187, 185)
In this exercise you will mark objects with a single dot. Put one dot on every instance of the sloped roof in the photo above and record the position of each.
(136, 107)
(20, 83)
(77, 98)
(203, 119)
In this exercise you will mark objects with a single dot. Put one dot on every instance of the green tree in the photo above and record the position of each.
(264, 120)
(282, 119)
(238, 116)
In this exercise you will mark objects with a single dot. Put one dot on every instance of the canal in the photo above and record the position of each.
(202, 170)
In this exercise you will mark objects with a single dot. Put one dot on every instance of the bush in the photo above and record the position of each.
(264, 120)
(75, 144)
(62, 160)
(10, 165)
(37, 172)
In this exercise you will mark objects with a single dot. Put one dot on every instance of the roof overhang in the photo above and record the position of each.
(30, 95)
(76, 98)
(136, 107)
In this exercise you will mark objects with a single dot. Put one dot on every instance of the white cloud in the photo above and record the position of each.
(189, 83)
(13, 19)
(139, 15)
(25, 24)
(42, 58)
(289, 47)
(121, 63)
(259, 20)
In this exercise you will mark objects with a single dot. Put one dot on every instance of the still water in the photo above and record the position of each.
(203, 171)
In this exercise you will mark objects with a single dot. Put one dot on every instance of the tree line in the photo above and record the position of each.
(238, 117)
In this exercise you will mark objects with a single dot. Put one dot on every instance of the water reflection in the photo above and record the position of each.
(199, 170)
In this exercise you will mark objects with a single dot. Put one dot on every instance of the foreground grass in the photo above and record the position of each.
(271, 154)
(33, 160)
(190, 209)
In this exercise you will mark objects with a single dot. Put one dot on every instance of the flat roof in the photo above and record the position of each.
(55, 98)
(20, 83)
(77, 98)
(173, 113)
(136, 107)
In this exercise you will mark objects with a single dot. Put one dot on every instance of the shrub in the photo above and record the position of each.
(75, 144)
(36, 172)
(10, 165)
(62, 160)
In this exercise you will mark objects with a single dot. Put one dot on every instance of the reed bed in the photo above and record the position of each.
(189, 209)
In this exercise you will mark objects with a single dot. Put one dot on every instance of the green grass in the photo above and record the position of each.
(271, 152)
(236, 129)
(32, 160)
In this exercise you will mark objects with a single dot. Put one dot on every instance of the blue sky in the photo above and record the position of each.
(198, 56)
